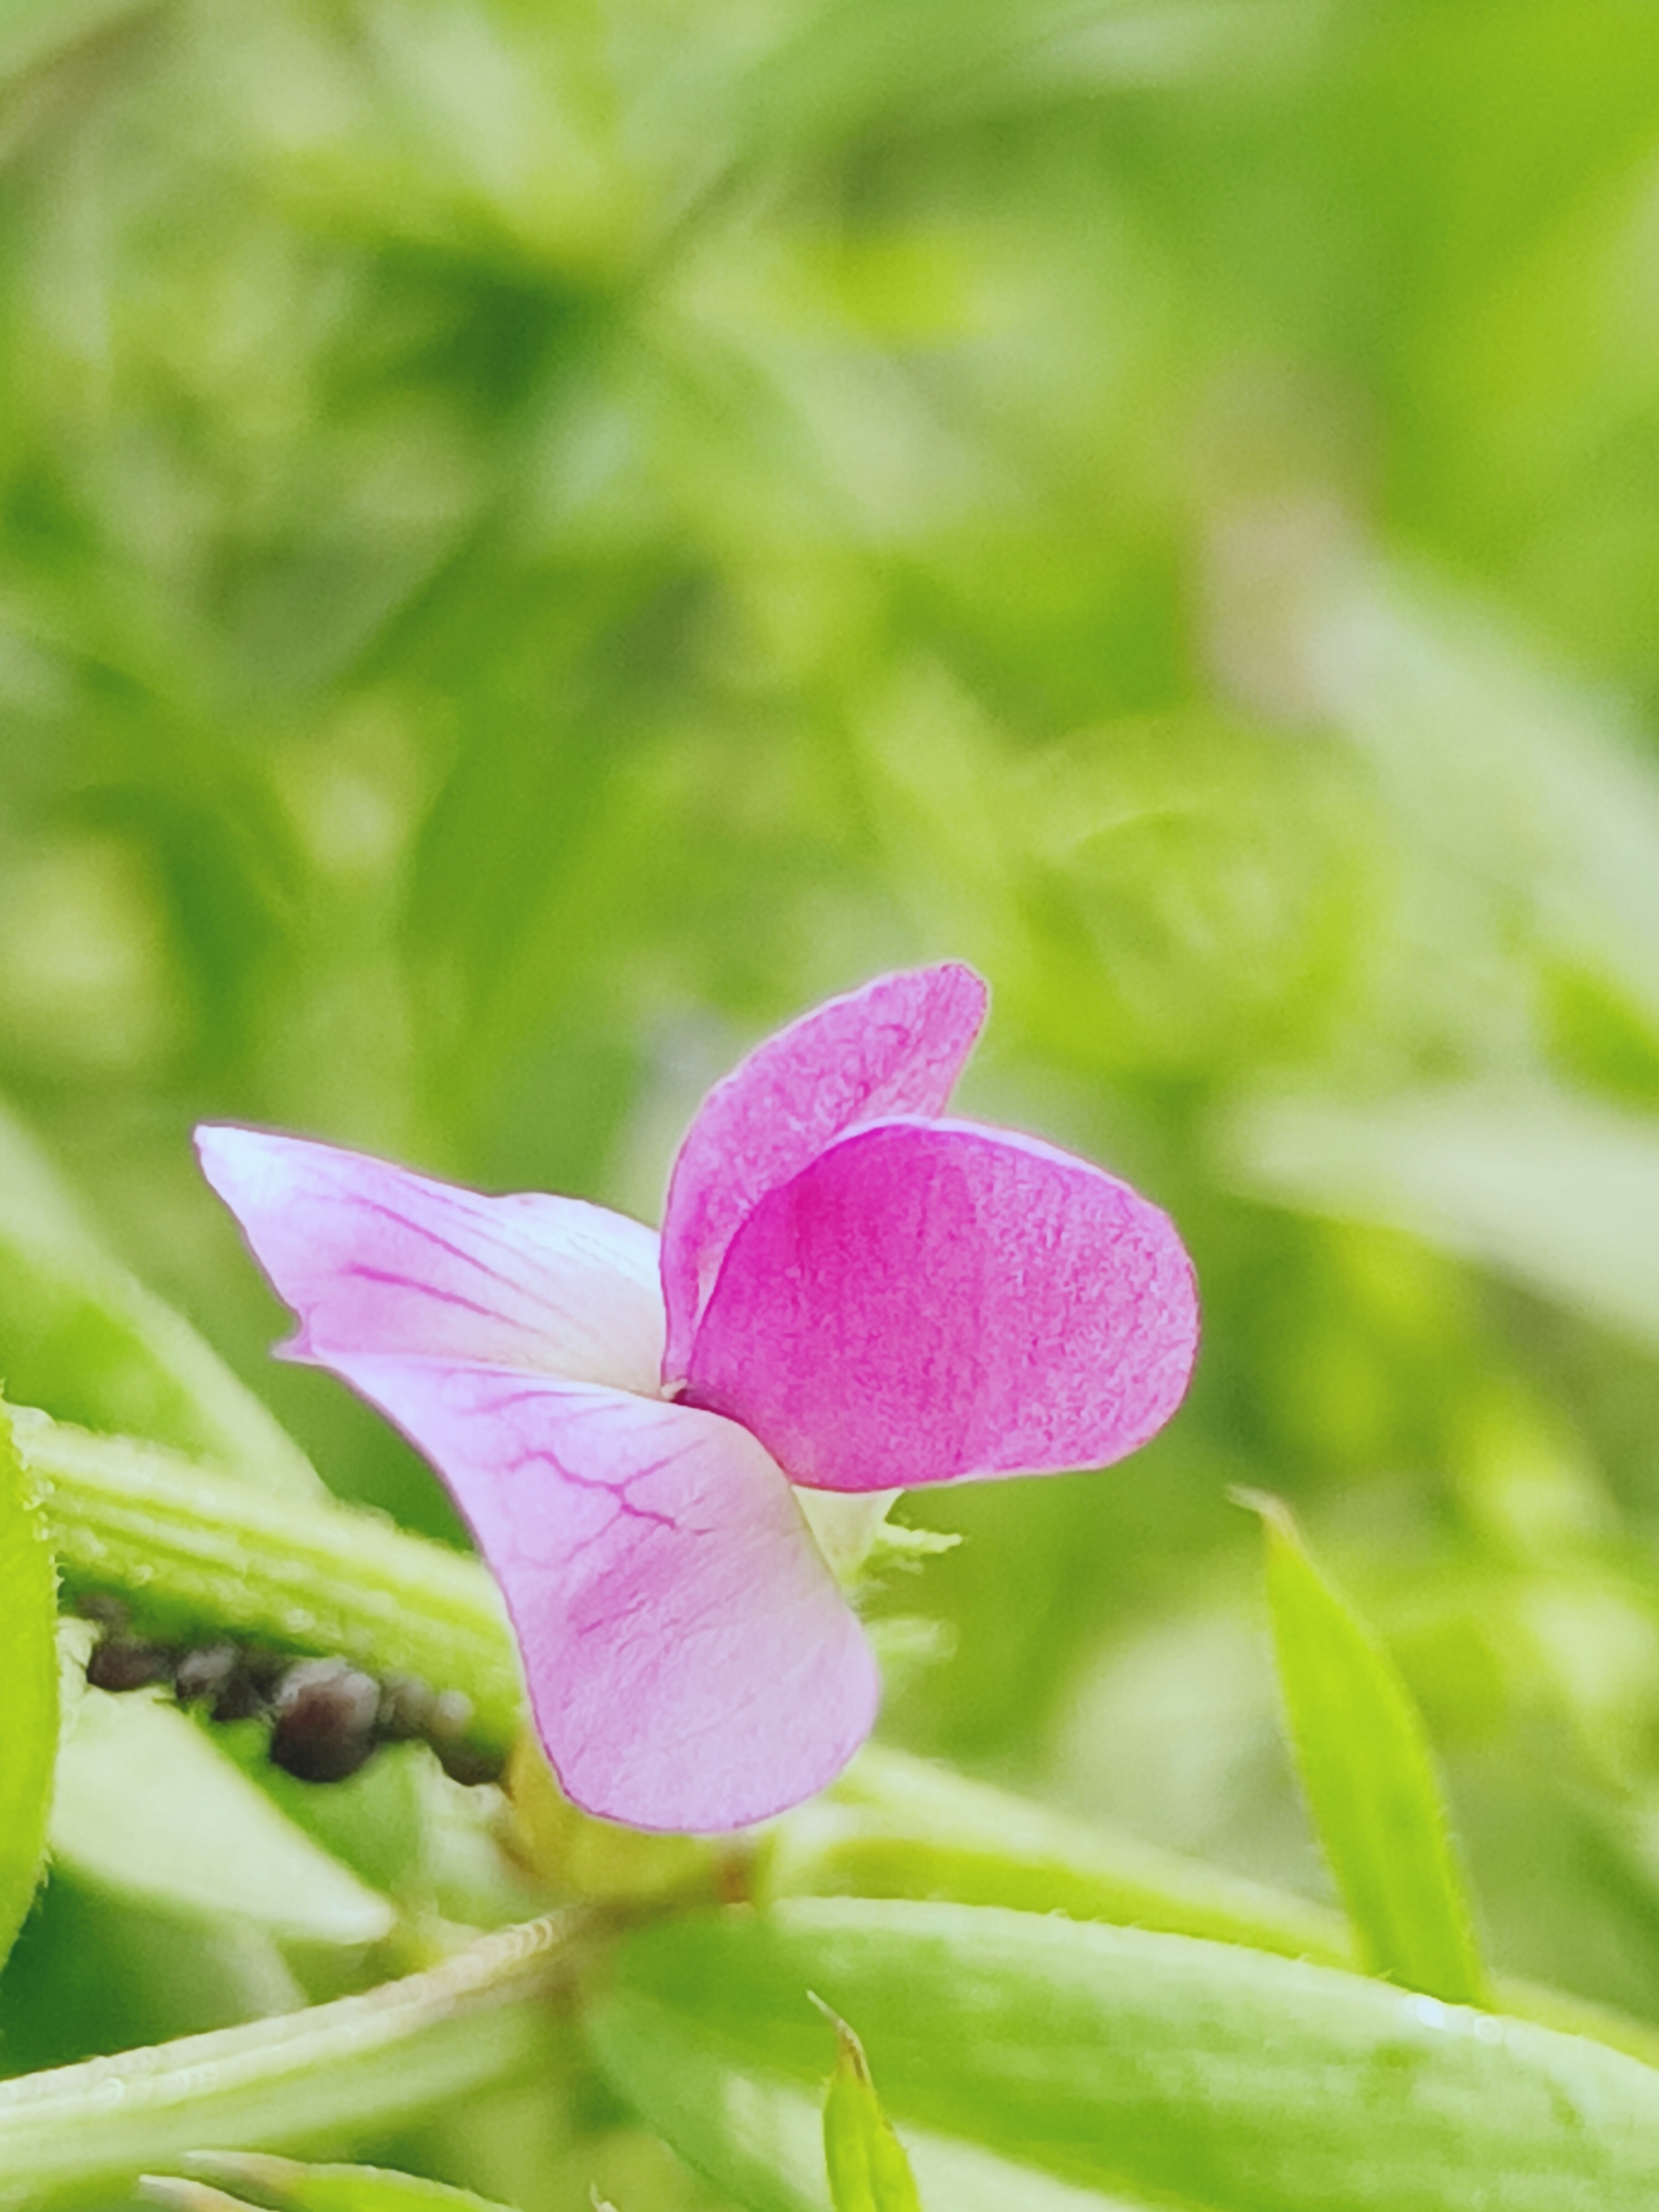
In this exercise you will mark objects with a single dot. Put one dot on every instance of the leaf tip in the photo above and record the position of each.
(1266, 1505)
(246, 2169)
(850, 2061)
(174, 2193)
(1278, 1521)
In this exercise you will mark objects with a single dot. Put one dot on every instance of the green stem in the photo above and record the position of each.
(198, 1553)
(356, 2067)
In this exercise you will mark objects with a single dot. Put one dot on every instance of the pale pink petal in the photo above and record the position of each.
(375, 1259)
(895, 1046)
(932, 1299)
(690, 1661)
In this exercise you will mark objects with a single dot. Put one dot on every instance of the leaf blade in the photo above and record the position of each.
(865, 2160)
(359, 2064)
(1369, 1776)
(195, 1836)
(291, 2186)
(1120, 2065)
(29, 1669)
(898, 1826)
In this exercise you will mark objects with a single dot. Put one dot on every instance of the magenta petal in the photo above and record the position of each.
(690, 1661)
(933, 1299)
(895, 1046)
(375, 1259)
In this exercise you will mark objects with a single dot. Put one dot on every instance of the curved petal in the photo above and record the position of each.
(375, 1259)
(691, 1663)
(932, 1299)
(895, 1046)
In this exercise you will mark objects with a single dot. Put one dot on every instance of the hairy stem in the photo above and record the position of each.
(357, 2066)
(198, 1553)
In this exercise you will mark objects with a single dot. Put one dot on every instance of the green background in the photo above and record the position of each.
(537, 541)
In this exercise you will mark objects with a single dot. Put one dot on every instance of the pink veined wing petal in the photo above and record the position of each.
(895, 1047)
(691, 1663)
(929, 1300)
(375, 1259)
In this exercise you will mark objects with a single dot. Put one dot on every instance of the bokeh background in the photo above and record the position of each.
(538, 538)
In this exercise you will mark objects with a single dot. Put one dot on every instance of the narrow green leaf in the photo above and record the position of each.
(198, 1551)
(29, 1678)
(1110, 2066)
(362, 2064)
(147, 1805)
(178, 2195)
(762, 2143)
(868, 2168)
(285, 2185)
(897, 1827)
(82, 1337)
(1369, 1775)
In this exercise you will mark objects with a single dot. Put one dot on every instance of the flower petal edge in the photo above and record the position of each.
(373, 1258)
(691, 1663)
(894, 1046)
(930, 1300)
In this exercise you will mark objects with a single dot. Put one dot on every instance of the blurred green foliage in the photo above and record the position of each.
(538, 539)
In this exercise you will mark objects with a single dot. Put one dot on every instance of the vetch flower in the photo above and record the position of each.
(851, 1293)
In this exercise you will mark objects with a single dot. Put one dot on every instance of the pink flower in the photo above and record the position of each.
(850, 1293)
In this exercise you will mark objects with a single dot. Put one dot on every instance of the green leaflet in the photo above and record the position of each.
(148, 1806)
(79, 1335)
(358, 2065)
(1369, 1775)
(762, 2140)
(201, 1553)
(285, 2185)
(28, 1674)
(404, 1828)
(895, 1827)
(1113, 2066)
(866, 2161)
(898, 1826)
